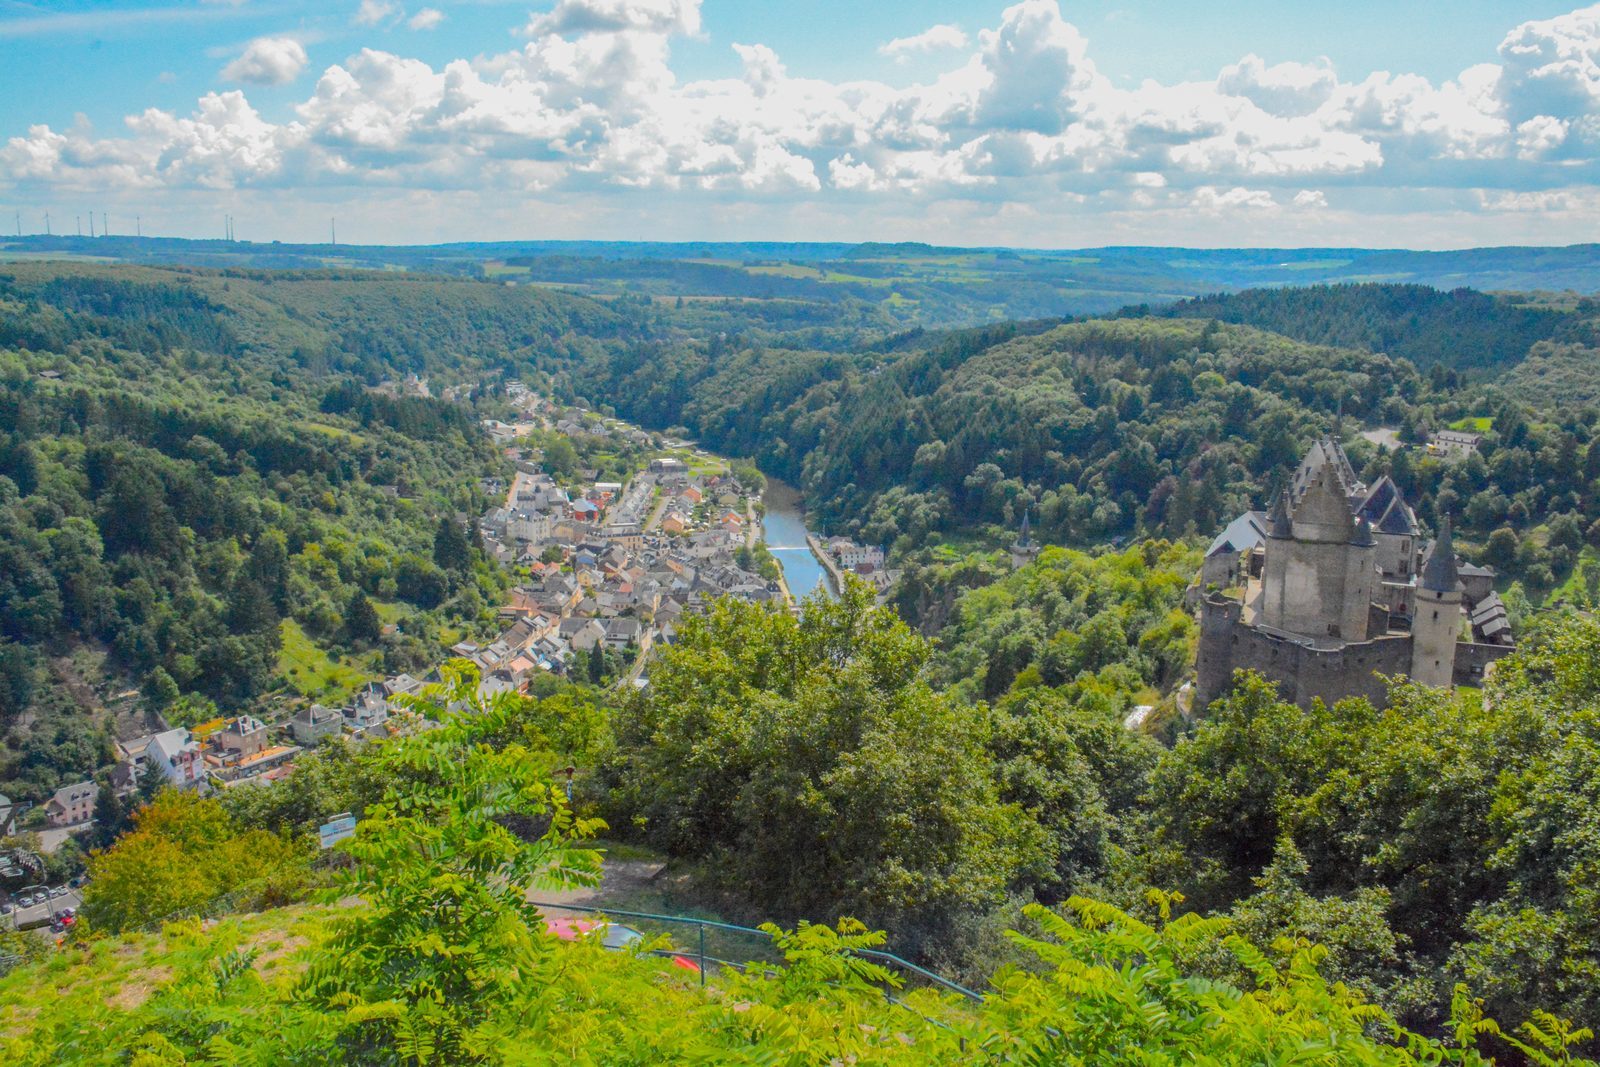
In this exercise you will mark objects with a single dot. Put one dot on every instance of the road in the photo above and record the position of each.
(655, 513)
(39, 914)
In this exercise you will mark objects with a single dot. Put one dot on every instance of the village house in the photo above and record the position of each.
(1454, 444)
(310, 725)
(176, 755)
(72, 804)
(241, 737)
(622, 632)
(581, 634)
(368, 714)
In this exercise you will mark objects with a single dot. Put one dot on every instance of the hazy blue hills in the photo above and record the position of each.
(912, 283)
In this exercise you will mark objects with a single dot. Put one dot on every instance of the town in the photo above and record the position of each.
(605, 572)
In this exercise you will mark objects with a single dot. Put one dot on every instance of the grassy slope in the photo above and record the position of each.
(118, 977)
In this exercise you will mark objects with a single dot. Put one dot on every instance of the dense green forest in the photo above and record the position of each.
(1464, 330)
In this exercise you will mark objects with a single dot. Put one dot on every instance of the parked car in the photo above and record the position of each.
(612, 936)
(58, 891)
(7, 909)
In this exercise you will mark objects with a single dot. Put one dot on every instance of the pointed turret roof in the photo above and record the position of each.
(1278, 524)
(1439, 572)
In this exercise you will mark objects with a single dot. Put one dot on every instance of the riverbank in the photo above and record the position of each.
(828, 564)
(791, 543)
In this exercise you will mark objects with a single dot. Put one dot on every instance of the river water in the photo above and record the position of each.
(784, 529)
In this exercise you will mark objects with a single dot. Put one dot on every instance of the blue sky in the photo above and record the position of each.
(1035, 123)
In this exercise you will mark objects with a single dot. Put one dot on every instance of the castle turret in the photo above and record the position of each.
(1278, 524)
(1025, 550)
(1436, 622)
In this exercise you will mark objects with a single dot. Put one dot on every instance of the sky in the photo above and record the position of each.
(1043, 123)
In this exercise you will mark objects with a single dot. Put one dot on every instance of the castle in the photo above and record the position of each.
(1335, 587)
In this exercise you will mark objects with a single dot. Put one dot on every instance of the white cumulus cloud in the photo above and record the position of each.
(427, 19)
(268, 61)
(590, 108)
(372, 12)
(932, 39)
(616, 16)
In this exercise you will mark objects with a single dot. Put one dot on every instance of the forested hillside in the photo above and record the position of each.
(1462, 330)
(192, 474)
(1108, 429)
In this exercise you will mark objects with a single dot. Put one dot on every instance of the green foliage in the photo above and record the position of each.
(183, 855)
(445, 939)
(1065, 619)
(361, 622)
(1102, 987)
(806, 759)
(1461, 330)
(1444, 838)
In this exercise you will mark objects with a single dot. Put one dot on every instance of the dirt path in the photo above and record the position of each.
(621, 881)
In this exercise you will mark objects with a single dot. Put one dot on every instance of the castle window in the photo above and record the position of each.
(1436, 615)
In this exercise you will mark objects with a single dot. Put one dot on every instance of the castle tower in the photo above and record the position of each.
(1320, 573)
(1436, 623)
(1025, 550)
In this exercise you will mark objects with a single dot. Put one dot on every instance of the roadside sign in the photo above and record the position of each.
(336, 829)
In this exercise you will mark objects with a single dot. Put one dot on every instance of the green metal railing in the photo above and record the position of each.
(764, 939)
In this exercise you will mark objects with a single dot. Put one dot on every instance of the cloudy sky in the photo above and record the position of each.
(1044, 123)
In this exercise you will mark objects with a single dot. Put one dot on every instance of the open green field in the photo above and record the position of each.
(1476, 424)
(310, 672)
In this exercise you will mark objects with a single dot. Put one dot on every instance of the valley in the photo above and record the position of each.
(293, 530)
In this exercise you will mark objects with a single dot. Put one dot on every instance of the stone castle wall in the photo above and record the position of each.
(1301, 672)
(1473, 659)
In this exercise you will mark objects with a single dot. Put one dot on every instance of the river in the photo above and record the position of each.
(784, 529)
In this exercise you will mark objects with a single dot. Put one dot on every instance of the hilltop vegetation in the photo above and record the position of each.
(1462, 330)
(427, 951)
